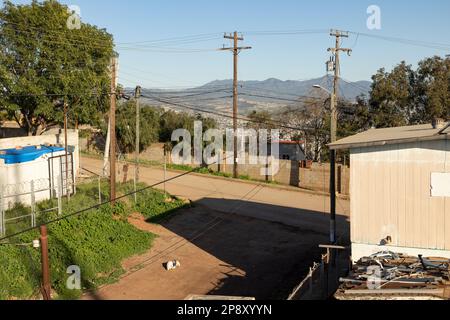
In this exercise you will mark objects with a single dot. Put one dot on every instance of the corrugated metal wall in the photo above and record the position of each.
(391, 195)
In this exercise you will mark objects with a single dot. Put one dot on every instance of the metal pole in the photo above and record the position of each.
(99, 191)
(112, 116)
(33, 205)
(137, 95)
(60, 194)
(165, 170)
(333, 196)
(66, 149)
(2, 213)
(46, 286)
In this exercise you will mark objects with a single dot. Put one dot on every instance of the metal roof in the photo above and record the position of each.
(380, 137)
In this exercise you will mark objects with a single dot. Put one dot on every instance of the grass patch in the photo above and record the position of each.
(96, 241)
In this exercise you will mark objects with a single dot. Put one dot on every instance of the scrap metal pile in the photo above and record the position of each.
(392, 273)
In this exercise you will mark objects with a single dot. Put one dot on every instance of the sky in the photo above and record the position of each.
(287, 57)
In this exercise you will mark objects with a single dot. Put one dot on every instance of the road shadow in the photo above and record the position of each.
(266, 249)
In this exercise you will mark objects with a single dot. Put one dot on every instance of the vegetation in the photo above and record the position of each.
(126, 127)
(403, 96)
(156, 125)
(44, 64)
(96, 241)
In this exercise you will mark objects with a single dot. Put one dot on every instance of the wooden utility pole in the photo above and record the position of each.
(334, 97)
(137, 95)
(334, 115)
(46, 286)
(236, 50)
(66, 146)
(112, 119)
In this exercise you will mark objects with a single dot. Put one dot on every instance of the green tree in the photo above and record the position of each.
(432, 90)
(260, 120)
(171, 121)
(44, 64)
(392, 96)
(126, 126)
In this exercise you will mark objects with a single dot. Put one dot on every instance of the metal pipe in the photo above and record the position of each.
(333, 197)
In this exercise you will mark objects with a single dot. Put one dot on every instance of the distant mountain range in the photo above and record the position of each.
(349, 90)
(271, 94)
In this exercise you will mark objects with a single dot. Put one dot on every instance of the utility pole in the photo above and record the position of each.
(112, 119)
(46, 286)
(66, 146)
(236, 50)
(334, 106)
(334, 97)
(137, 95)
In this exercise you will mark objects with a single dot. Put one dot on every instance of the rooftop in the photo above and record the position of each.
(380, 137)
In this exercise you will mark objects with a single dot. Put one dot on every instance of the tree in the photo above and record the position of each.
(405, 96)
(44, 64)
(260, 120)
(126, 126)
(392, 96)
(432, 90)
(171, 121)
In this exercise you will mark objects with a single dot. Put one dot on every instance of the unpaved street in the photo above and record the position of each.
(241, 239)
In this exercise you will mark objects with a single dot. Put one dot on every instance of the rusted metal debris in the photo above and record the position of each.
(389, 273)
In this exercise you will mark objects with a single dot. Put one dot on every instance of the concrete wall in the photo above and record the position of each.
(391, 196)
(317, 178)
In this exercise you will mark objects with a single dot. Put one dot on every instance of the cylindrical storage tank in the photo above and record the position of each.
(22, 169)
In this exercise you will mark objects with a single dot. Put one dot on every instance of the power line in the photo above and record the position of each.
(419, 43)
(281, 99)
(97, 206)
(184, 106)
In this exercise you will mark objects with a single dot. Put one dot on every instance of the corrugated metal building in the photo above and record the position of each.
(400, 190)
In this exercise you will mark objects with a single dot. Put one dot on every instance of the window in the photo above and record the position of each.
(440, 184)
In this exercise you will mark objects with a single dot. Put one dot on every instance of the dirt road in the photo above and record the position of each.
(239, 239)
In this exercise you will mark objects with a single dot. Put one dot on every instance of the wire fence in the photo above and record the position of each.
(19, 202)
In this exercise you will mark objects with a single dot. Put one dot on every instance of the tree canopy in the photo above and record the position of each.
(44, 64)
(405, 96)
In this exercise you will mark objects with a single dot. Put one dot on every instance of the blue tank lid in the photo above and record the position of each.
(27, 154)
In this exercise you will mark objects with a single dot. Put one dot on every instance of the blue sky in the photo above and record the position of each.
(285, 57)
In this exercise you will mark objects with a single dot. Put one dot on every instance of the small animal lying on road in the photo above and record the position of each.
(172, 265)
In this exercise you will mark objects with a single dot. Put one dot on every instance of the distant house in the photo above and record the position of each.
(400, 190)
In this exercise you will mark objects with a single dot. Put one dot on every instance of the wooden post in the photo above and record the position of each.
(46, 286)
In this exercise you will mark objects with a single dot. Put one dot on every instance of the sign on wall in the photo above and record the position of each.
(440, 184)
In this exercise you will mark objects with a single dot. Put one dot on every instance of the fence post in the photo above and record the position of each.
(99, 183)
(33, 205)
(46, 285)
(60, 192)
(2, 213)
(322, 276)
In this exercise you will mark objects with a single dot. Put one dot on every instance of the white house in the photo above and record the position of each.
(400, 190)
